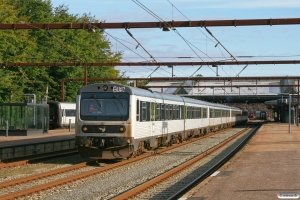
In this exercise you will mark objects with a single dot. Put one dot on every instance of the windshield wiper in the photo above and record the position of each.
(116, 96)
(97, 101)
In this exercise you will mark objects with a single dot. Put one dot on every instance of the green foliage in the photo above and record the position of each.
(40, 45)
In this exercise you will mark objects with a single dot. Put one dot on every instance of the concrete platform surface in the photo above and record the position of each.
(268, 167)
(52, 135)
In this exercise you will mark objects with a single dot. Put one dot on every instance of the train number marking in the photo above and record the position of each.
(118, 89)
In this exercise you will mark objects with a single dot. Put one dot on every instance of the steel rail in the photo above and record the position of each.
(42, 175)
(95, 171)
(13, 164)
(36, 158)
(166, 24)
(135, 191)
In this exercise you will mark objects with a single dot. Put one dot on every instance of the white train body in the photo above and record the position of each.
(128, 120)
(61, 114)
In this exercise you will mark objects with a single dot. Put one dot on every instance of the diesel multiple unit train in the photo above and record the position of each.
(117, 121)
(61, 114)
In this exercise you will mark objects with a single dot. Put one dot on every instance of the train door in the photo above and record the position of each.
(185, 116)
(152, 117)
(64, 116)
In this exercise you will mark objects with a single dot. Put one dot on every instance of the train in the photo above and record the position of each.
(251, 115)
(61, 114)
(262, 115)
(115, 121)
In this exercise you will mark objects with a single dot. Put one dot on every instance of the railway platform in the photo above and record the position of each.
(268, 167)
(20, 146)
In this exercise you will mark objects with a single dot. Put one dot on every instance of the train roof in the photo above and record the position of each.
(147, 93)
(57, 102)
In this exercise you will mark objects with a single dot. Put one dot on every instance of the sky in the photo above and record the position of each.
(252, 43)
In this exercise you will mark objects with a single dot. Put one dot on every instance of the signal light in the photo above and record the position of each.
(122, 129)
(84, 128)
(105, 87)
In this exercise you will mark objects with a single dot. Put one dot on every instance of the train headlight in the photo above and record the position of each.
(122, 129)
(84, 129)
(105, 87)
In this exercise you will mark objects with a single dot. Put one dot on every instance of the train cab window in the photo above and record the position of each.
(144, 111)
(104, 106)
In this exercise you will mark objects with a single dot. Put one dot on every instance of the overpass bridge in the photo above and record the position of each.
(230, 91)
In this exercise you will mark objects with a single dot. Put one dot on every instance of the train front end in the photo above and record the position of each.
(103, 123)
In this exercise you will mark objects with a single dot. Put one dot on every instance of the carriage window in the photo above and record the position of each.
(152, 110)
(204, 112)
(194, 113)
(70, 113)
(144, 111)
(162, 111)
(171, 112)
(211, 113)
(200, 113)
(137, 110)
(158, 113)
(181, 112)
(167, 111)
(176, 112)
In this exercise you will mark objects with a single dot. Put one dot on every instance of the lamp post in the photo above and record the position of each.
(289, 107)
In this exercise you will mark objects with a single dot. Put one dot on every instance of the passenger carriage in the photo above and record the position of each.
(116, 121)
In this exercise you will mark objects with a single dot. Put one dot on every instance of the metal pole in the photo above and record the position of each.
(62, 95)
(6, 128)
(289, 113)
(69, 125)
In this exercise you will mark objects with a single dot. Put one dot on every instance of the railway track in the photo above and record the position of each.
(38, 158)
(114, 179)
(178, 181)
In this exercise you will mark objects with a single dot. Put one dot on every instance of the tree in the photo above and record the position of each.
(42, 45)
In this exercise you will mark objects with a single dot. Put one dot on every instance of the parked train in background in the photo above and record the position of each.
(60, 114)
(118, 121)
(262, 115)
(251, 115)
